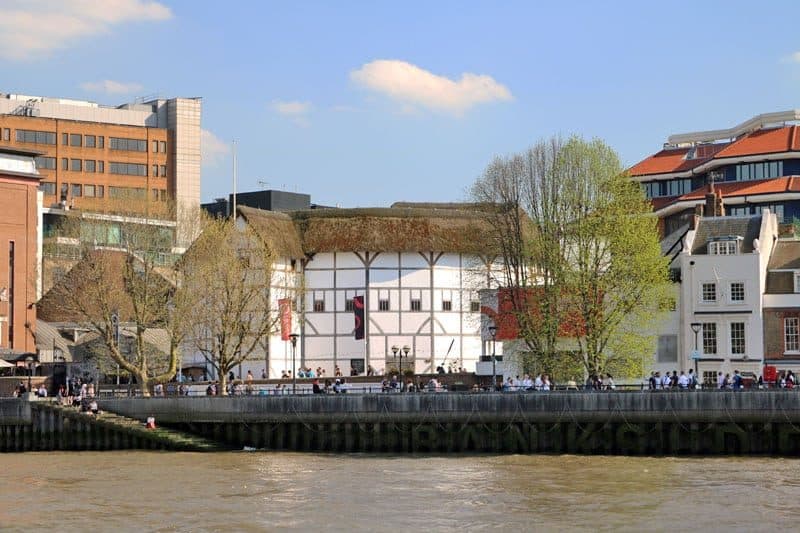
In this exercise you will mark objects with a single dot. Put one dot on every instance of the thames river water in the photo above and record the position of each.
(267, 491)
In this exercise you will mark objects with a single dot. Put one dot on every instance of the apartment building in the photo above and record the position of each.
(754, 165)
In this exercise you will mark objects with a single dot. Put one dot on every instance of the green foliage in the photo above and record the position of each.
(579, 236)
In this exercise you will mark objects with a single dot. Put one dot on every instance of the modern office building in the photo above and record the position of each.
(754, 165)
(98, 158)
(19, 247)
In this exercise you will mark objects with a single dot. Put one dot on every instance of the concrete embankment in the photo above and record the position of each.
(660, 423)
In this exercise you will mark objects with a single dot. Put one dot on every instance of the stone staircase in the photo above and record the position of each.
(56, 427)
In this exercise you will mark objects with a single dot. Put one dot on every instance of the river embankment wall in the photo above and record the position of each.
(631, 423)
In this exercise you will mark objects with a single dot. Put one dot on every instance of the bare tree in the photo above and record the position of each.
(236, 280)
(125, 276)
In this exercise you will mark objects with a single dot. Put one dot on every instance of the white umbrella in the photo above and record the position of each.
(4, 363)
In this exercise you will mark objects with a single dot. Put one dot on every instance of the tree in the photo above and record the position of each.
(579, 252)
(236, 279)
(125, 277)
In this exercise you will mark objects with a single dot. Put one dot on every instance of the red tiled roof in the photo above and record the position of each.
(664, 162)
(763, 142)
(747, 188)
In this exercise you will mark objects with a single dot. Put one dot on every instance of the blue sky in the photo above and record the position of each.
(366, 103)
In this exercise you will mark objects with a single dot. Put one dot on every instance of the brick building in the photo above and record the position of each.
(19, 244)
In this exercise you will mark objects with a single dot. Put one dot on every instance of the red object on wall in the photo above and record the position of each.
(506, 316)
(770, 373)
(285, 306)
(358, 314)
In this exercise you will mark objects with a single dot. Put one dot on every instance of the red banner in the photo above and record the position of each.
(285, 306)
(358, 313)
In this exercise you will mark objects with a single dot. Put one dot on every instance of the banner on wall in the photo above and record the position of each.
(285, 306)
(358, 313)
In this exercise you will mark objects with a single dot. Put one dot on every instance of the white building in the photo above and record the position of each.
(418, 269)
(723, 269)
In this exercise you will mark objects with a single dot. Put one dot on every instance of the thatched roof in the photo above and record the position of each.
(277, 230)
(394, 229)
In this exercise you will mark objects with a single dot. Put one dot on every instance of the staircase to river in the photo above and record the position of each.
(55, 427)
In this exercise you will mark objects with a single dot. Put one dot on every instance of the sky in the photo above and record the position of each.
(367, 103)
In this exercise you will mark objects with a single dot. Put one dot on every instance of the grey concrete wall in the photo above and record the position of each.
(14, 411)
(699, 406)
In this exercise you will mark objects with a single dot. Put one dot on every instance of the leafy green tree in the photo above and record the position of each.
(579, 252)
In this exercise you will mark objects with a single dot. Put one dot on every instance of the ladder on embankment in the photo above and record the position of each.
(56, 427)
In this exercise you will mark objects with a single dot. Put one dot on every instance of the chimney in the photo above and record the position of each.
(714, 206)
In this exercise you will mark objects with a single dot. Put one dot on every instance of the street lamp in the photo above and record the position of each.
(406, 349)
(493, 333)
(293, 338)
(696, 327)
(29, 361)
(396, 349)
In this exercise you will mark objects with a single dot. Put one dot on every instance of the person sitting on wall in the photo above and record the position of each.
(353, 371)
(315, 387)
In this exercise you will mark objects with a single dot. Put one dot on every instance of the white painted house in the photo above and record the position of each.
(724, 268)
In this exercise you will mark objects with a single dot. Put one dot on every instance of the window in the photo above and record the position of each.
(773, 208)
(155, 171)
(48, 163)
(348, 305)
(47, 187)
(131, 145)
(667, 350)
(154, 192)
(475, 306)
(710, 338)
(75, 165)
(726, 247)
(162, 147)
(99, 191)
(89, 165)
(37, 137)
(791, 334)
(128, 169)
(127, 193)
(163, 171)
(416, 304)
(155, 146)
(88, 191)
(709, 292)
(738, 211)
(163, 194)
(101, 166)
(737, 291)
(737, 338)
(75, 139)
(383, 305)
(710, 378)
(64, 190)
(6, 134)
(76, 190)
(64, 163)
(65, 139)
(447, 305)
(89, 141)
(319, 306)
(101, 142)
(757, 171)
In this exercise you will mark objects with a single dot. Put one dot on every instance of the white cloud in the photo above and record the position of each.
(795, 57)
(34, 28)
(298, 111)
(290, 108)
(212, 148)
(111, 87)
(411, 85)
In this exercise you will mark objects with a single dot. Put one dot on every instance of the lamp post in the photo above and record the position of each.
(696, 326)
(493, 333)
(29, 362)
(396, 349)
(406, 349)
(293, 338)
